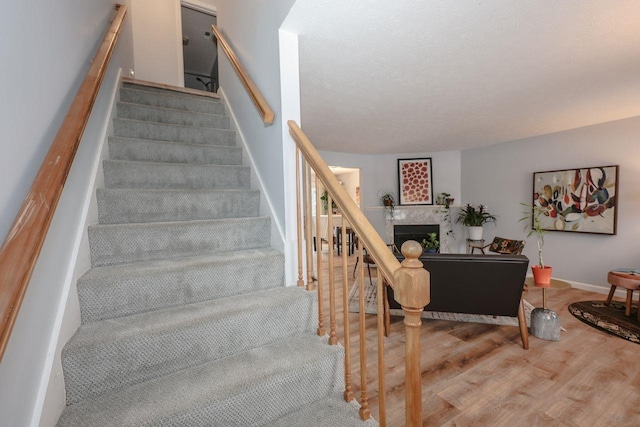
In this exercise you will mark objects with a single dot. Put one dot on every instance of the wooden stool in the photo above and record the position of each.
(630, 283)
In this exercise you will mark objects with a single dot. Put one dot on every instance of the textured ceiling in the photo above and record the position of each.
(416, 76)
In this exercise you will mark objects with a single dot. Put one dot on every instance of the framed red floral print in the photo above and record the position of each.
(415, 182)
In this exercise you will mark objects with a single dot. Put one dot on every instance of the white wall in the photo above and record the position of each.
(251, 27)
(157, 41)
(379, 174)
(350, 182)
(49, 65)
(501, 175)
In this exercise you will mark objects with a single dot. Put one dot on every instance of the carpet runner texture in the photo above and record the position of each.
(371, 307)
(610, 319)
(186, 319)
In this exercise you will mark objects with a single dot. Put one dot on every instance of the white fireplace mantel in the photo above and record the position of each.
(424, 214)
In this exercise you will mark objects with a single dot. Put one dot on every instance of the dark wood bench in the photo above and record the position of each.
(473, 284)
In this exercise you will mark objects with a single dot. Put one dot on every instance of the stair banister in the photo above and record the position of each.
(256, 96)
(21, 248)
(409, 280)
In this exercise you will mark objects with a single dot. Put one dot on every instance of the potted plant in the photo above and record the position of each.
(441, 199)
(533, 214)
(474, 217)
(431, 244)
(325, 202)
(388, 201)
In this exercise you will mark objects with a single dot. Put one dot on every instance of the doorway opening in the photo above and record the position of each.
(199, 49)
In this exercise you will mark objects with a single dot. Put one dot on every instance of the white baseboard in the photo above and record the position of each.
(595, 288)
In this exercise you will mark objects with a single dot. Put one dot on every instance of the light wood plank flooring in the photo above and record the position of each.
(479, 375)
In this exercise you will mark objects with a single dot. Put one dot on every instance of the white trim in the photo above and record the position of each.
(290, 106)
(69, 276)
(200, 6)
(594, 288)
(260, 181)
(178, 23)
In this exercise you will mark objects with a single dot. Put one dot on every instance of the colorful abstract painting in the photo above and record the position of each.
(579, 200)
(414, 178)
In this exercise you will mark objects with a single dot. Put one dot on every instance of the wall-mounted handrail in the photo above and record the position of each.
(261, 104)
(21, 248)
(409, 280)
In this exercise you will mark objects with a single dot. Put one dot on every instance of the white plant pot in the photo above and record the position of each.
(474, 233)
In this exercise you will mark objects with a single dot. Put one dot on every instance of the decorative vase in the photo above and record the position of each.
(474, 233)
(541, 275)
(430, 251)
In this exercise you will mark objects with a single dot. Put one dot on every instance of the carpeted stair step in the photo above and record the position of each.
(172, 152)
(332, 411)
(253, 388)
(112, 244)
(121, 206)
(112, 354)
(171, 90)
(170, 99)
(169, 132)
(127, 110)
(123, 290)
(174, 176)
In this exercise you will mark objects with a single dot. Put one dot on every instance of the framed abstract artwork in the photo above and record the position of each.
(581, 200)
(415, 182)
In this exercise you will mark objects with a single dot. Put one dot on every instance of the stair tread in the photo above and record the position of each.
(169, 109)
(331, 411)
(141, 205)
(177, 165)
(171, 99)
(222, 130)
(162, 114)
(181, 143)
(135, 269)
(113, 244)
(160, 321)
(169, 91)
(232, 380)
(122, 290)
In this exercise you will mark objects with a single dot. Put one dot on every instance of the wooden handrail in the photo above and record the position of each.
(261, 104)
(21, 248)
(377, 248)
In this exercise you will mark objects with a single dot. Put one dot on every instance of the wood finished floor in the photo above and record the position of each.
(479, 375)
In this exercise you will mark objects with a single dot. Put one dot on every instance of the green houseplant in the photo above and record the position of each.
(474, 217)
(388, 201)
(431, 244)
(532, 215)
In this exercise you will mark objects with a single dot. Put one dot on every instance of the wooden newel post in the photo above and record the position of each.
(413, 293)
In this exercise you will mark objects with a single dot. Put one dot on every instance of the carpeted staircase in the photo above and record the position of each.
(185, 317)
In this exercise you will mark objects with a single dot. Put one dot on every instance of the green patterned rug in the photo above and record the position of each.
(610, 319)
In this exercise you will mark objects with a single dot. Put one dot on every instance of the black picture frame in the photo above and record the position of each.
(580, 200)
(415, 181)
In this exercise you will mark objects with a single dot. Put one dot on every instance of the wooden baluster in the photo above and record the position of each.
(307, 221)
(348, 392)
(382, 394)
(333, 339)
(299, 218)
(321, 330)
(412, 291)
(365, 412)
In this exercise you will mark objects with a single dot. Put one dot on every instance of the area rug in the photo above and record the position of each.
(371, 307)
(610, 319)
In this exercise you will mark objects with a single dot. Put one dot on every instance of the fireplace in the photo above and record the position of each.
(402, 233)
